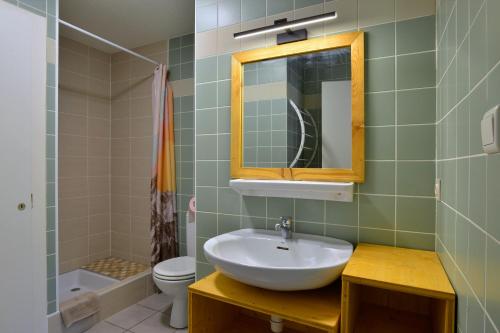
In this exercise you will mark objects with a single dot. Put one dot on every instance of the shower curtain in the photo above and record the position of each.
(164, 243)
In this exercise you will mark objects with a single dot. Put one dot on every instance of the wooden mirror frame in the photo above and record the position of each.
(354, 40)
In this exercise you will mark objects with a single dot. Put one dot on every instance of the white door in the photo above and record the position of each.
(22, 171)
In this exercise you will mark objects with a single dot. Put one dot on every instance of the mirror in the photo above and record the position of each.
(298, 111)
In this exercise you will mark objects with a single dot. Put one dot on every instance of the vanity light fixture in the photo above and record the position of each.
(283, 24)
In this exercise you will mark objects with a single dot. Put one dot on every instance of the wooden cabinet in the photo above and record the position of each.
(384, 290)
(388, 289)
(220, 304)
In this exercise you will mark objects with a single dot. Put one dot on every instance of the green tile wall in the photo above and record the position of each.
(468, 217)
(181, 60)
(181, 57)
(395, 205)
(48, 9)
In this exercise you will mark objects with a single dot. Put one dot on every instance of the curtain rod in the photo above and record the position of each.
(108, 42)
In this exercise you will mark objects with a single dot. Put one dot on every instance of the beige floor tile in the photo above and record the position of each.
(159, 323)
(158, 302)
(130, 316)
(104, 327)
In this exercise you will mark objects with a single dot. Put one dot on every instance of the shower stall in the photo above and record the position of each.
(105, 130)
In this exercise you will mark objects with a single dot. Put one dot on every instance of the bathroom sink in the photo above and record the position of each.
(263, 259)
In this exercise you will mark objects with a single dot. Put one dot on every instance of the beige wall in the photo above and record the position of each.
(84, 163)
(105, 133)
(131, 141)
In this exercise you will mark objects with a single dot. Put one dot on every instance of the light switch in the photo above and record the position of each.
(437, 189)
(489, 131)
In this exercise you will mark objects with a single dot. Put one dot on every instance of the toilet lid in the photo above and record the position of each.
(176, 267)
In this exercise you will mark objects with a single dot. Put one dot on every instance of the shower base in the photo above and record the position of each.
(114, 294)
(79, 281)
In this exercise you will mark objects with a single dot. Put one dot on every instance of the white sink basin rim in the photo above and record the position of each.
(263, 259)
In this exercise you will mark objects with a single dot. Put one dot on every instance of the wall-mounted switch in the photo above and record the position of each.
(437, 189)
(489, 131)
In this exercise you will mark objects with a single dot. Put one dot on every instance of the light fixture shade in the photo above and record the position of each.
(284, 25)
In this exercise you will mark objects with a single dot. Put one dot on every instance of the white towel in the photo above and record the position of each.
(79, 307)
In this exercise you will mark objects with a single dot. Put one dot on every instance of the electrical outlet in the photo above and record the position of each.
(437, 189)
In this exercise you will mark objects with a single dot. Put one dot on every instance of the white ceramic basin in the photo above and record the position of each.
(262, 258)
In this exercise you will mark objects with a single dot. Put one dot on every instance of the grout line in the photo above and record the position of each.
(324, 217)
(484, 78)
(217, 138)
(87, 159)
(461, 157)
(399, 125)
(417, 161)
(488, 235)
(213, 82)
(56, 167)
(485, 4)
(84, 75)
(446, 23)
(400, 54)
(399, 90)
(396, 128)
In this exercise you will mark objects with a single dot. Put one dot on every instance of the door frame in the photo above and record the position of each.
(39, 211)
(39, 188)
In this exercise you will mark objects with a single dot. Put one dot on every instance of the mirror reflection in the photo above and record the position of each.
(297, 111)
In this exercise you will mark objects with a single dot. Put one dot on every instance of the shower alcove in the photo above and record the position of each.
(104, 168)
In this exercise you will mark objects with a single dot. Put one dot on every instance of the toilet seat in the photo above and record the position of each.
(175, 269)
(173, 279)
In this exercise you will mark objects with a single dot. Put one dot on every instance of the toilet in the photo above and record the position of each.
(173, 276)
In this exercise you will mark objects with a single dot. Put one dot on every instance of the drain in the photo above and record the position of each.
(74, 289)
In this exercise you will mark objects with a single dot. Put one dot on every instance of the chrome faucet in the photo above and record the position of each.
(285, 226)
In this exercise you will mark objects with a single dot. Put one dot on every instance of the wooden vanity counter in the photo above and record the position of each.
(389, 289)
(220, 304)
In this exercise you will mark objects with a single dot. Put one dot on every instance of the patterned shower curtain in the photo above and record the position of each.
(163, 200)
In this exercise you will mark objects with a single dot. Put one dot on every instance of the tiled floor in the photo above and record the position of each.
(151, 315)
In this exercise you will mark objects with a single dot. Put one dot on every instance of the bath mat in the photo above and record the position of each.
(115, 268)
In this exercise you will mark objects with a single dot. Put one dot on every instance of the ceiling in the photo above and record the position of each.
(129, 23)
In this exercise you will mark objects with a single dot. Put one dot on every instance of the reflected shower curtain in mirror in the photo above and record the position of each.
(164, 243)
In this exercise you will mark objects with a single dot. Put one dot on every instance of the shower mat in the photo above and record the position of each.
(115, 268)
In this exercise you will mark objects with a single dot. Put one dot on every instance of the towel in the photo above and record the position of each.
(79, 307)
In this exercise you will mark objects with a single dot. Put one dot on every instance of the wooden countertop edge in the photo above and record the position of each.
(401, 287)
